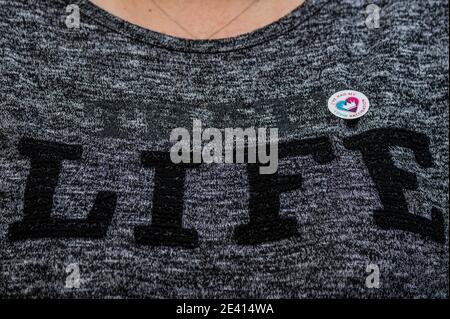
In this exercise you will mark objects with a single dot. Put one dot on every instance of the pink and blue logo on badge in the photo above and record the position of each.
(348, 104)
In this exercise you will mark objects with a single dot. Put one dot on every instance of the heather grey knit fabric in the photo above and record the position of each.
(84, 111)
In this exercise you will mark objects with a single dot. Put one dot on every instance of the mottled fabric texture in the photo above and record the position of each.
(83, 111)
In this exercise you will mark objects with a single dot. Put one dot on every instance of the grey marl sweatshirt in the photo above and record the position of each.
(87, 189)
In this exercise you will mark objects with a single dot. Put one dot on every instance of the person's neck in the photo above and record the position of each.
(199, 19)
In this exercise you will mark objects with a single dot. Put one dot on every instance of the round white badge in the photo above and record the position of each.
(348, 104)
